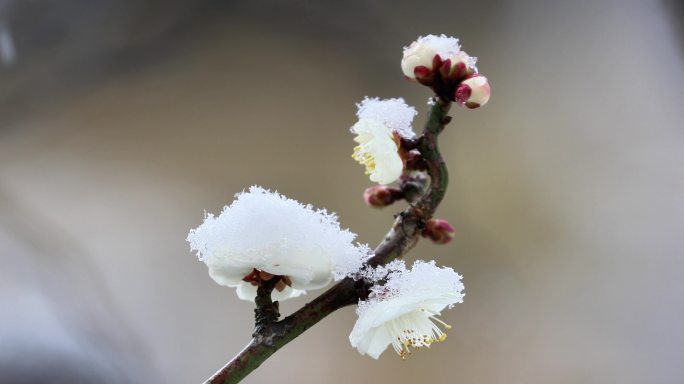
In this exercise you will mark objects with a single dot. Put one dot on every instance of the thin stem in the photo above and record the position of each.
(400, 239)
(266, 311)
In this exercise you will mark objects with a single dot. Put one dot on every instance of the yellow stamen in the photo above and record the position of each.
(364, 158)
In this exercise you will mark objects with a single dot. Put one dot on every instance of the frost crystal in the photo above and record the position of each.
(266, 231)
(403, 312)
(393, 113)
(380, 272)
(471, 62)
(442, 45)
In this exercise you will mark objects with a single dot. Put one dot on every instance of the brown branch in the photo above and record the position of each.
(272, 335)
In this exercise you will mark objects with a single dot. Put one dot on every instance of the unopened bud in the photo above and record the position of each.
(439, 231)
(381, 196)
(473, 92)
(423, 58)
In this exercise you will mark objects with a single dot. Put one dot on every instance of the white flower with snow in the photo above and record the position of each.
(420, 56)
(404, 311)
(263, 233)
(381, 125)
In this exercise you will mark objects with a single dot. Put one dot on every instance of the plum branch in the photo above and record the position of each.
(271, 334)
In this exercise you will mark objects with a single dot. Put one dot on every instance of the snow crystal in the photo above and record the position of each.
(471, 61)
(380, 272)
(443, 45)
(352, 265)
(394, 113)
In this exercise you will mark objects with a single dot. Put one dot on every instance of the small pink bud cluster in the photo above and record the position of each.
(439, 63)
(439, 231)
(381, 196)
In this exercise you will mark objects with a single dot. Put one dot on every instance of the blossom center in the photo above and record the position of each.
(365, 158)
(416, 329)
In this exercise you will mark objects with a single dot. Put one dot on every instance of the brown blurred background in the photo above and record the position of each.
(122, 121)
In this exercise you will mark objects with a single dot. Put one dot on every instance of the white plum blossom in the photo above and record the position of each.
(421, 54)
(381, 125)
(403, 312)
(377, 151)
(267, 233)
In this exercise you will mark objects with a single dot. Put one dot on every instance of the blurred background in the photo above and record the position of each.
(121, 121)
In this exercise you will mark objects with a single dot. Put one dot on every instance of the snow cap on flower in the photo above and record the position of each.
(265, 231)
(404, 311)
(473, 92)
(395, 114)
(381, 125)
(419, 57)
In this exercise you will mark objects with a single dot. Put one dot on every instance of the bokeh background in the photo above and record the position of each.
(121, 121)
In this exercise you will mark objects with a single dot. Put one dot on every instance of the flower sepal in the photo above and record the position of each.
(428, 75)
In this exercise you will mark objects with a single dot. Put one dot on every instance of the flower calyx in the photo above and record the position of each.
(415, 161)
(258, 278)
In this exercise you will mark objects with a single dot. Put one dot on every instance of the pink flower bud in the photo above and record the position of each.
(439, 231)
(473, 92)
(381, 196)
